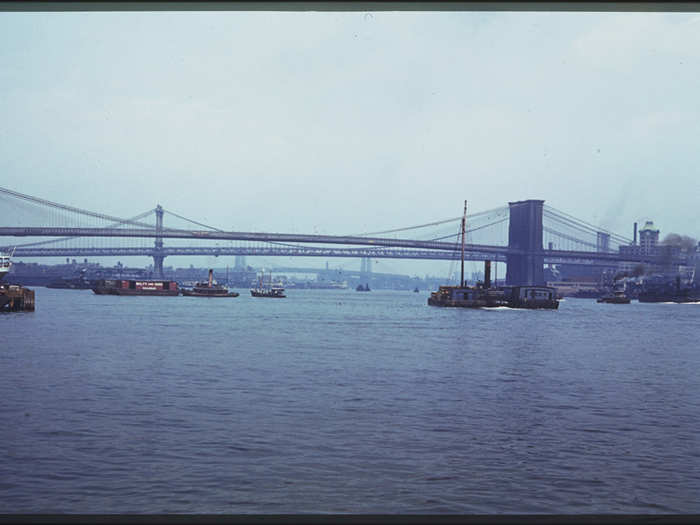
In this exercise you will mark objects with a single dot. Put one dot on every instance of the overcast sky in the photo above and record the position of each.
(341, 123)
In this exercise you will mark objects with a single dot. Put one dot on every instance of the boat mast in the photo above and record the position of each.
(464, 228)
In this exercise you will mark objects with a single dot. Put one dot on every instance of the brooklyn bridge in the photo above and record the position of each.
(525, 235)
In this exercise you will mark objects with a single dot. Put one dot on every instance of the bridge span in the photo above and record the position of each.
(524, 254)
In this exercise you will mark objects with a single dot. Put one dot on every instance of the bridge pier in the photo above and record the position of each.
(158, 258)
(366, 271)
(525, 233)
(158, 266)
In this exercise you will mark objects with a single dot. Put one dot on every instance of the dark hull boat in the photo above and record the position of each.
(268, 292)
(208, 289)
(671, 293)
(73, 283)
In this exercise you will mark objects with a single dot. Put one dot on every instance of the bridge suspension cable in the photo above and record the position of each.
(435, 223)
(569, 237)
(72, 209)
(113, 225)
(571, 221)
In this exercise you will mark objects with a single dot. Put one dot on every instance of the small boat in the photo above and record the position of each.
(208, 289)
(361, 288)
(415, 290)
(267, 291)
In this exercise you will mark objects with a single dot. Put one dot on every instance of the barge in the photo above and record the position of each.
(135, 287)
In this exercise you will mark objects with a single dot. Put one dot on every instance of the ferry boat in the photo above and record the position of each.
(135, 287)
(484, 296)
(267, 291)
(208, 289)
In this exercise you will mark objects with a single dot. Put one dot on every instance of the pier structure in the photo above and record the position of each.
(16, 298)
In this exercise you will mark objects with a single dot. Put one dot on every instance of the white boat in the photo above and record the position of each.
(5, 263)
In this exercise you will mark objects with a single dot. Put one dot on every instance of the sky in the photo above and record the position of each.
(341, 123)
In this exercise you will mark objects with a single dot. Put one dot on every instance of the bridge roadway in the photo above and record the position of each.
(421, 249)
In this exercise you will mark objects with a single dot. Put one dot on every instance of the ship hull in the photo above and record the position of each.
(194, 293)
(668, 299)
(133, 287)
(118, 291)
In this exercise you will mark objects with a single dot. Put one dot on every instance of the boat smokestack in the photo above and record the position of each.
(634, 242)
(211, 277)
(487, 274)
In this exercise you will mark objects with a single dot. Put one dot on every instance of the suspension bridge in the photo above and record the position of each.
(524, 234)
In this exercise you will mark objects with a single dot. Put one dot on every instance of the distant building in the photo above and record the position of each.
(649, 245)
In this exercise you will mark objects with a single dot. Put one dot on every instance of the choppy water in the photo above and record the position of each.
(335, 401)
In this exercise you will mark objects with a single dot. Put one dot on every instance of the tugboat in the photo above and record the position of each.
(267, 291)
(361, 288)
(208, 289)
(618, 296)
(483, 295)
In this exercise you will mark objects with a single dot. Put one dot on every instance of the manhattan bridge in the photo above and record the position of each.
(524, 234)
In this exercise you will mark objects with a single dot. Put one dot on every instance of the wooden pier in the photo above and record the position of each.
(15, 298)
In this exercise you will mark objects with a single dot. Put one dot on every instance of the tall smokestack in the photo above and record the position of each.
(634, 242)
(487, 274)
(211, 277)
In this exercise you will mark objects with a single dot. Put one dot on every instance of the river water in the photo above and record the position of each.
(345, 402)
